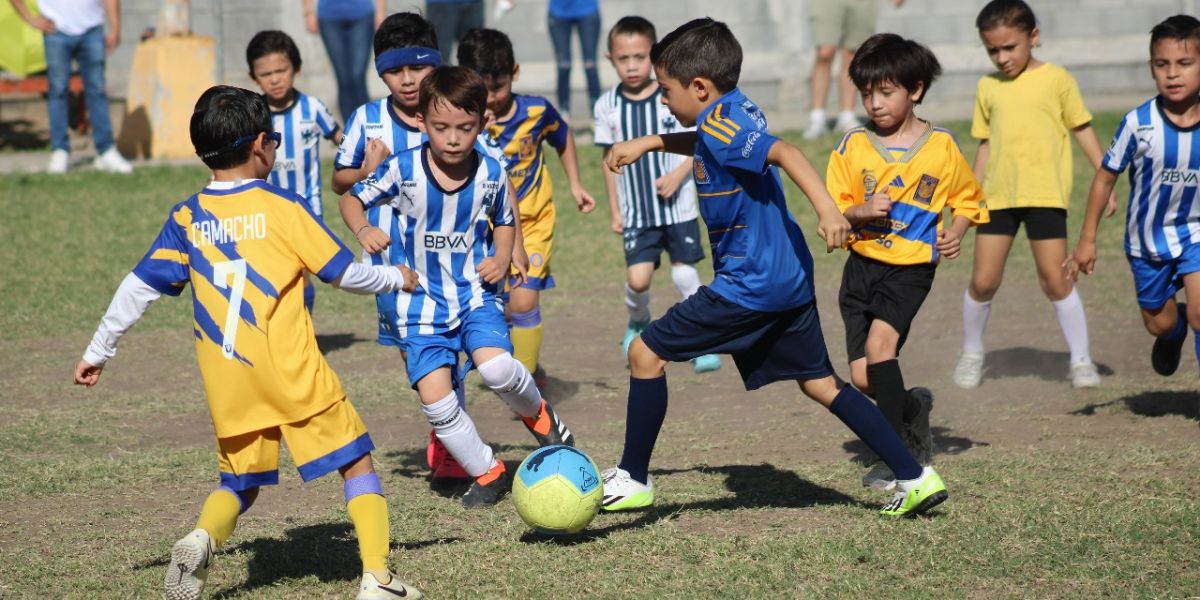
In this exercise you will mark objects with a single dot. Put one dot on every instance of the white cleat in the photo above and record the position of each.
(969, 371)
(190, 558)
(372, 589)
(1084, 375)
(112, 162)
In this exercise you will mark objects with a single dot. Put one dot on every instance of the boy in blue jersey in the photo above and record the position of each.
(892, 180)
(760, 307)
(1159, 143)
(302, 120)
(244, 245)
(459, 238)
(522, 123)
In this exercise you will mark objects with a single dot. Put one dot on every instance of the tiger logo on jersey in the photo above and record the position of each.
(698, 170)
(925, 189)
(869, 182)
(528, 146)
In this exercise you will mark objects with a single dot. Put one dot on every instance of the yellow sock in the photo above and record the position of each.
(527, 345)
(369, 514)
(219, 516)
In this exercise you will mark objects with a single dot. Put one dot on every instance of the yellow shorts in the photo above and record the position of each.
(539, 240)
(319, 444)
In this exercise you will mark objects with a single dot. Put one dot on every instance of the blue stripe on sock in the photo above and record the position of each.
(644, 416)
(865, 420)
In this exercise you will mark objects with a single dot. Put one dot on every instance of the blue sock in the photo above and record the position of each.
(865, 420)
(643, 419)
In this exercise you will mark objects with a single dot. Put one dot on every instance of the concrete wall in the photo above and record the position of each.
(1102, 42)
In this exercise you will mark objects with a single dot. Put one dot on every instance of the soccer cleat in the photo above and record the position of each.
(487, 489)
(190, 558)
(706, 363)
(113, 162)
(880, 477)
(547, 428)
(59, 162)
(1084, 375)
(917, 434)
(917, 496)
(969, 371)
(1165, 355)
(372, 588)
(632, 330)
(441, 464)
(622, 492)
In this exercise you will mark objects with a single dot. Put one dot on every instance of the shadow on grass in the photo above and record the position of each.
(753, 486)
(1024, 361)
(332, 342)
(1153, 404)
(943, 443)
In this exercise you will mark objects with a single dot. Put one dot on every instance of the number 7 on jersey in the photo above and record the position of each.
(221, 272)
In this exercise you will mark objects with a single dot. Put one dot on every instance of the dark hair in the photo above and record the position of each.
(700, 48)
(487, 51)
(1178, 27)
(270, 42)
(458, 86)
(887, 57)
(632, 25)
(1006, 13)
(405, 30)
(223, 115)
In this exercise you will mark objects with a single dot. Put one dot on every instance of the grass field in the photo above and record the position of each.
(1054, 492)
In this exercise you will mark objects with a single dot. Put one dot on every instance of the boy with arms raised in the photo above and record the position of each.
(892, 179)
(1159, 144)
(459, 240)
(761, 306)
(653, 204)
(244, 245)
(521, 124)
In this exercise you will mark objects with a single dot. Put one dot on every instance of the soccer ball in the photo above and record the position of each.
(557, 490)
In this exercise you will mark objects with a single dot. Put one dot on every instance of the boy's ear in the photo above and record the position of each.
(918, 93)
(1035, 36)
(703, 89)
(421, 121)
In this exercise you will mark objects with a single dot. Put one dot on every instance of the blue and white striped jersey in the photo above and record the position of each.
(446, 234)
(297, 161)
(619, 119)
(1163, 217)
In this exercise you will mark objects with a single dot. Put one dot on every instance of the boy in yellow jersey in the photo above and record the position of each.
(521, 124)
(892, 179)
(245, 246)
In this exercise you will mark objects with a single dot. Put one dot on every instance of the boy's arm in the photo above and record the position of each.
(629, 151)
(614, 205)
(128, 305)
(359, 278)
(1084, 257)
(343, 179)
(669, 184)
(495, 268)
(583, 200)
(354, 215)
(832, 226)
(1085, 136)
(949, 242)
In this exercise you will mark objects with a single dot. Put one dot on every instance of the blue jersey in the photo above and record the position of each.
(759, 254)
(297, 166)
(447, 234)
(1163, 217)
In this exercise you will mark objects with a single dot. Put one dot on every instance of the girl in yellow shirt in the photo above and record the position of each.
(1023, 114)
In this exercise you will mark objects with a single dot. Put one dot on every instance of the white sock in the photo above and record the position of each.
(1074, 326)
(512, 382)
(638, 304)
(816, 116)
(457, 432)
(846, 115)
(686, 278)
(975, 318)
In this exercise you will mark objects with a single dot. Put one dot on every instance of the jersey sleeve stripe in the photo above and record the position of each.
(713, 122)
(710, 131)
(723, 119)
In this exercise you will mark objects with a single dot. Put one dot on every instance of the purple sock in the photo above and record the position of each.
(643, 419)
(865, 420)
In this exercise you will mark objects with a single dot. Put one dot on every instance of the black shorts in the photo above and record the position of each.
(875, 290)
(766, 346)
(681, 242)
(1040, 223)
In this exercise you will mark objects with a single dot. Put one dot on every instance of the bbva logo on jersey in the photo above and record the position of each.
(446, 242)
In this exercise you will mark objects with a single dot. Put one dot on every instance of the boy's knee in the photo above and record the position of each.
(822, 390)
(1193, 316)
(643, 362)
(501, 372)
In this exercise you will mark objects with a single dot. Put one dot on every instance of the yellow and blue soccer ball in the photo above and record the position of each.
(557, 490)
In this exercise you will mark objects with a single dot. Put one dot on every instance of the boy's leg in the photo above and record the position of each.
(1156, 284)
(637, 301)
(864, 419)
(367, 509)
(453, 427)
(526, 333)
(991, 253)
(645, 411)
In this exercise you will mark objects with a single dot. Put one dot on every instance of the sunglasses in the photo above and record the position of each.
(274, 136)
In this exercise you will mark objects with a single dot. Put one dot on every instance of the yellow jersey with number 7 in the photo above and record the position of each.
(245, 250)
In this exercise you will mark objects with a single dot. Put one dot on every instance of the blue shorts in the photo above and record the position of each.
(482, 327)
(681, 241)
(766, 346)
(1157, 281)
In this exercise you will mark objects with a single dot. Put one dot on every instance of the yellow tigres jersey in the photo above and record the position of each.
(245, 250)
(520, 138)
(922, 180)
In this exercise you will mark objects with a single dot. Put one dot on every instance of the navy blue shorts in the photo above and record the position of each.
(681, 241)
(766, 346)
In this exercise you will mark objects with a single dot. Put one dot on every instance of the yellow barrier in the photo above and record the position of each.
(167, 76)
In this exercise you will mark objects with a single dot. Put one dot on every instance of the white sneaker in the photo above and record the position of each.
(816, 129)
(880, 477)
(1084, 375)
(372, 589)
(190, 558)
(59, 161)
(969, 371)
(623, 492)
(847, 121)
(113, 162)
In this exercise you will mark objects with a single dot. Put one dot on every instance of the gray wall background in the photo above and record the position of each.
(1102, 42)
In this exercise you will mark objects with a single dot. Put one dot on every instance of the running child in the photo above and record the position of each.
(653, 204)
(244, 245)
(761, 306)
(1159, 144)
(1025, 114)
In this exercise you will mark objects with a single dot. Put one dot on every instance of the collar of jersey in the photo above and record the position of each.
(391, 111)
(433, 180)
(224, 188)
(1162, 114)
(288, 108)
(732, 96)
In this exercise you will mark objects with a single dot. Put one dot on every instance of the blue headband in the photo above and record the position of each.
(404, 57)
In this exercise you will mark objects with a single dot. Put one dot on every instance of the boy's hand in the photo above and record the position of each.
(669, 184)
(411, 279)
(86, 373)
(623, 153)
(520, 262)
(834, 229)
(491, 270)
(373, 239)
(949, 243)
(583, 200)
(878, 205)
(375, 153)
(1082, 260)
(617, 225)
(1110, 209)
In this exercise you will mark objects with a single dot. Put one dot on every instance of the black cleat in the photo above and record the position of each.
(547, 428)
(487, 489)
(1165, 355)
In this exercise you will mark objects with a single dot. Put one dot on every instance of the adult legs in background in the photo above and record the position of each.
(348, 44)
(589, 38)
(560, 37)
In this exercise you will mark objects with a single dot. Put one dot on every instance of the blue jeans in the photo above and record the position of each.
(589, 37)
(349, 46)
(451, 20)
(87, 49)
